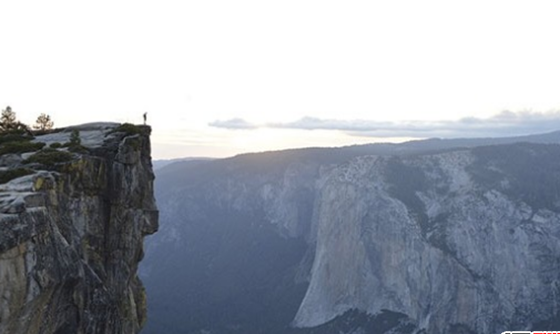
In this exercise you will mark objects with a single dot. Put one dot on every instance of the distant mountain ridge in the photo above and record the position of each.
(432, 236)
(160, 163)
(408, 147)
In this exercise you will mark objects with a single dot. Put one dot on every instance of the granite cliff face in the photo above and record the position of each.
(72, 232)
(424, 237)
(466, 239)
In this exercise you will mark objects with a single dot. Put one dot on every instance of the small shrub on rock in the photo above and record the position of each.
(20, 147)
(129, 129)
(49, 157)
(10, 174)
(11, 137)
(75, 143)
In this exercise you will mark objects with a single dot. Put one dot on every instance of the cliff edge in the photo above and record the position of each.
(73, 215)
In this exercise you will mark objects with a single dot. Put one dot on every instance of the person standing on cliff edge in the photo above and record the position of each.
(145, 117)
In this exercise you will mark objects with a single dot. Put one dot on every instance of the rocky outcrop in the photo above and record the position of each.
(72, 232)
(465, 238)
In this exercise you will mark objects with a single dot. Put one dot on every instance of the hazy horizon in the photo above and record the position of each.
(220, 78)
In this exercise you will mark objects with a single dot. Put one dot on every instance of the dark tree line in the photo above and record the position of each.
(10, 124)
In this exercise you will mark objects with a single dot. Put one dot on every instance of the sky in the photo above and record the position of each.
(219, 78)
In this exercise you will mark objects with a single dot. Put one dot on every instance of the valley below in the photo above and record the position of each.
(435, 236)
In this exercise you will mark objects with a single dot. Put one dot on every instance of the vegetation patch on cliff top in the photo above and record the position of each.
(524, 171)
(49, 157)
(20, 147)
(128, 128)
(10, 174)
(14, 137)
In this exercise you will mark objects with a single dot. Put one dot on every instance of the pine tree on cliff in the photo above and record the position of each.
(7, 119)
(9, 122)
(75, 140)
(43, 123)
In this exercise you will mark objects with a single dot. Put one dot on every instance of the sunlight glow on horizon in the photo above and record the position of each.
(191, 63)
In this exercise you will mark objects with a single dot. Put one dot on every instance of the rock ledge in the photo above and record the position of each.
(72, 222)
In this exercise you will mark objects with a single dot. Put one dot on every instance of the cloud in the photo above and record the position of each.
(233, 124)
(506, 123)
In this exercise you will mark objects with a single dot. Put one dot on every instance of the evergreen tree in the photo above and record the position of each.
(10, 124)
(7, 119)
(43, 123)
(75, 140)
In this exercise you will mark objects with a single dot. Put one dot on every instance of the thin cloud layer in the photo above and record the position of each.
(233, 124)
(506, 123)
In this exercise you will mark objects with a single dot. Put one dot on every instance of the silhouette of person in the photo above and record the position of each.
(145, 117)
